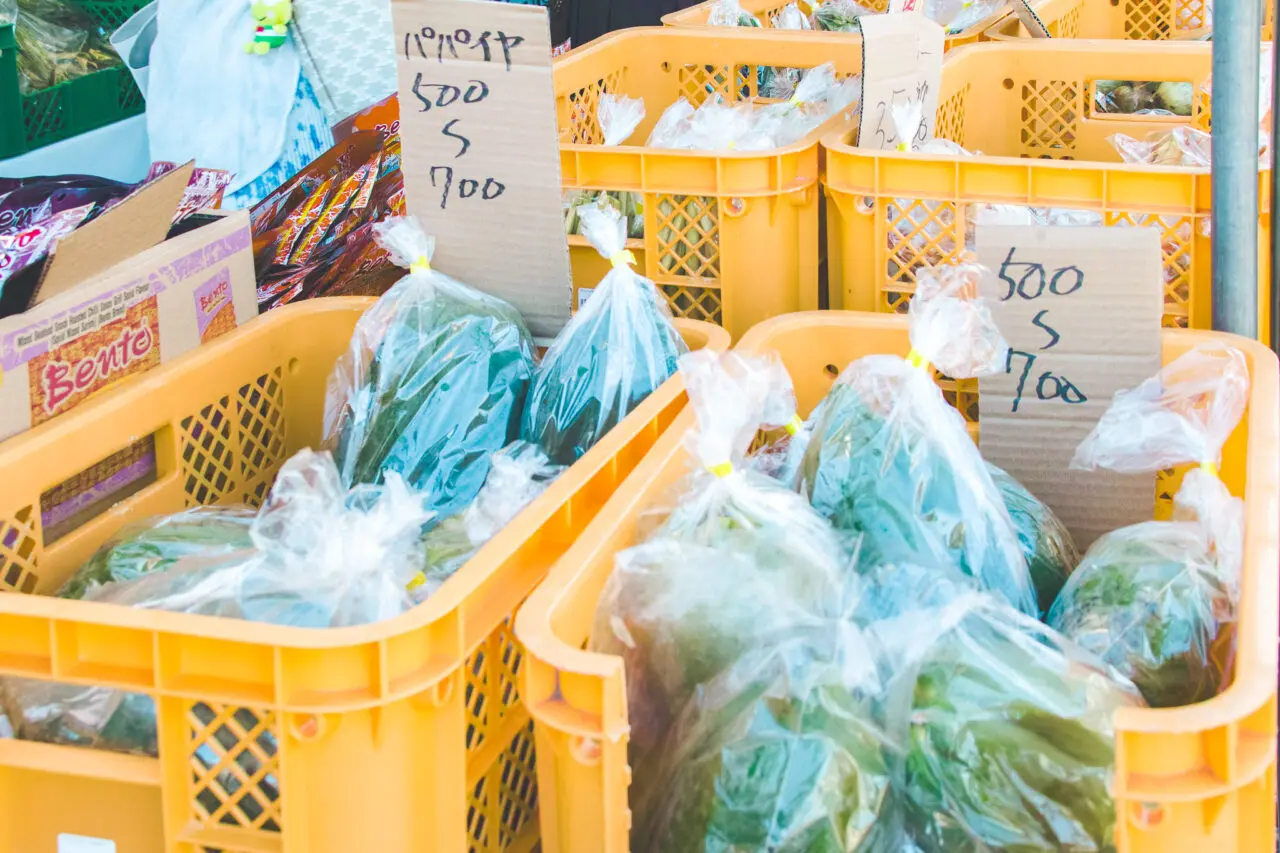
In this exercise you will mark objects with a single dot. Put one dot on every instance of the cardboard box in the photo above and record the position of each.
(81, 339)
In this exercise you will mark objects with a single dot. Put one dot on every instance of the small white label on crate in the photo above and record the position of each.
(584, 293)
(84, 844)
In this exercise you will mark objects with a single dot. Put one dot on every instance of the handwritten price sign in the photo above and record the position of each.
(1080, 308)
(901, 67)
(481, 158)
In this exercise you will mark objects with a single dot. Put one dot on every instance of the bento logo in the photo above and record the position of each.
(63, 380)
(213, 300)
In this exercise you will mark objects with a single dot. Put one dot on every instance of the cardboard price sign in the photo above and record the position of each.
(901, 66)
(481, 156)
(1080, 308)
(1029, 18)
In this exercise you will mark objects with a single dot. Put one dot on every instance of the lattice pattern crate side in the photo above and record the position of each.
(688, 236)
(584, 105)
(1176, 236)
(951, 116)
(476, 697)
(207, 454)
(20, 551)
(700, 83)
(235, 768)
(1147, 19)
(1192, 14)
(260, 413)
(517, 783)
(919, 233)
(1068, 26)
(695, 303)
(480, 829)
(1051, 110)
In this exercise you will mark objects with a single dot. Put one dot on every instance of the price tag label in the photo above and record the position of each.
(1029, 18)
(481, 156)
(901, 68)
(84, 844)
(1080, 308)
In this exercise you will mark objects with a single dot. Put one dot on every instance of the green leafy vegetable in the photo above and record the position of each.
(1046, 542)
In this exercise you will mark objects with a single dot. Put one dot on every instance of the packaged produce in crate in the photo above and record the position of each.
(1158, 600)
(434, 382)
(618, 348)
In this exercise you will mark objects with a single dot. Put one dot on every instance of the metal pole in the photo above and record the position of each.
(1237, 27)
(1275, 170)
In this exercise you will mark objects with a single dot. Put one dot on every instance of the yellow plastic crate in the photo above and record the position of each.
(1131, 19)
(405, 736)
(1199, 779)
(765, 10)
(730, 238)
(1027, 106)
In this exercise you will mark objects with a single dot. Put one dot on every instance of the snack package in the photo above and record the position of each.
(157, 544)
(1006, 726)
(319, 557)
(518, 474)
(619, 116)
(892, 462)
(434, 382)
(24, 248)
(1046, 543)
(729, 13)
(1157, 599)
(662, 610)
(618, 348)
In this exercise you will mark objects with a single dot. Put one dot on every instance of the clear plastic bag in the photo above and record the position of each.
(956, 16)
(1177, 146)
(729, 13)
(156, 544)
(891, 461)
(840, 16)
(434, 382)
(1046, 543)
(1006, 726)
(791, 18)
(56, 42)
(319, 557)
(518, 474)
(1156, 599)
(619, 116)
(618, 348)
(661, 610)
(780, 446)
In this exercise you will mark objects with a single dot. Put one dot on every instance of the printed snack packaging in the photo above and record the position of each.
(114, 324)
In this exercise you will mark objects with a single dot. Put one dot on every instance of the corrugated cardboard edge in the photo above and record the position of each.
(1029, 18)
(134, 225)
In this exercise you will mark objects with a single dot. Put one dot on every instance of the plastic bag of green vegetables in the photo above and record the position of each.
(781, 752)
(662, 610)
(729, 13)
(1007, 726)
(779, 448)
(156, 544)
(1156, 599)
(320, 556)
(618, 348)
(434, 381)
(839, 16)
(57, 41)
(892, 462)
(518, 474)
(1046, 543)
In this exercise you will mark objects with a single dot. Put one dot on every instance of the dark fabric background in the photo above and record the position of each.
(584, 20)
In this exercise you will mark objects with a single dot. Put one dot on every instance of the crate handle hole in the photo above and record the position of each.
(440, 692)
(585, 750)
(831, 370)
(307, 727)
(735, 207)
(294, 366)
(1008, 82)
(1146, 815)
(866, 204)
(666, 67)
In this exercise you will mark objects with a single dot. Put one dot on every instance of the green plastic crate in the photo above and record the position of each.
(68, 109)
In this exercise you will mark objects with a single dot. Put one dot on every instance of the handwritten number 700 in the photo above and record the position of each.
(1048, 386)
(450, 42)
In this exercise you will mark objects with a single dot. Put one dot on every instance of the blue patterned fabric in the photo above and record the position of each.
(307, 138)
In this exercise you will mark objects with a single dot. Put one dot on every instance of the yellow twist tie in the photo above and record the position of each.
(418, 580)
(795, 101)
(793, 425)
(902, 146)
(421, 265)
(724, 469)
(915, 359)
(731, 145)
(623, 258)
(1209, 468)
